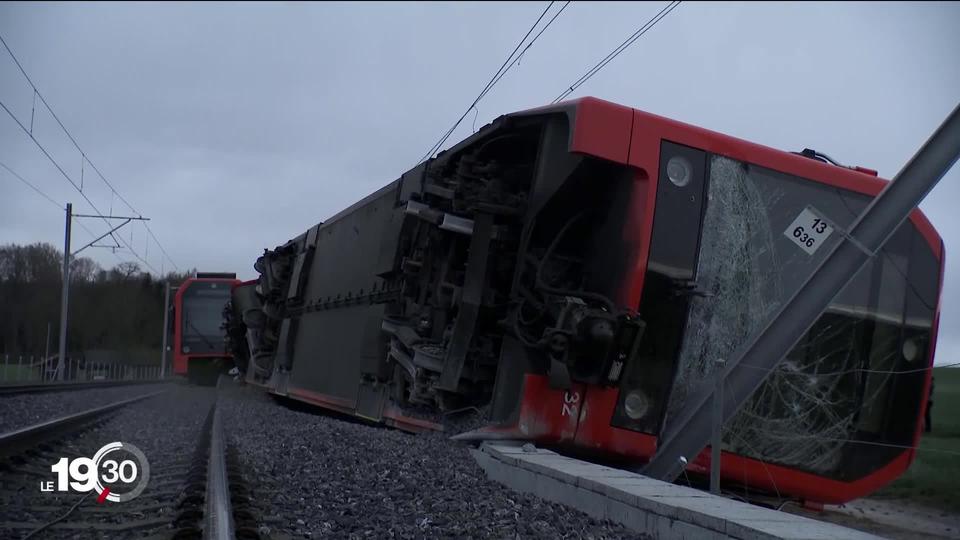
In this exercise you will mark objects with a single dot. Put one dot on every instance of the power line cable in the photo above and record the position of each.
(31, 186)
(74, 184)
(84, 158)
(52, 201)
(616, 52)
(532, 41)
(493, 80)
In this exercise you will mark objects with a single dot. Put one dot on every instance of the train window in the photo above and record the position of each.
(203, 304)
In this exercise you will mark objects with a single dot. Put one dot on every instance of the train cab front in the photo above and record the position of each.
(654, 250)
(200, 351)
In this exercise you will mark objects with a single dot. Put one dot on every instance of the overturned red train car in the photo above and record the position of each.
(581, 267)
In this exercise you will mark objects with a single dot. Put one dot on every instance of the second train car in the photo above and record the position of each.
(199, 342)
(579, 268)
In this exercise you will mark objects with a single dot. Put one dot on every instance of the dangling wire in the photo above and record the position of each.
(33, 108)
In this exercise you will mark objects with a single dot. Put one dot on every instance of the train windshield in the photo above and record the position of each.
(850, 391)
(203, 304)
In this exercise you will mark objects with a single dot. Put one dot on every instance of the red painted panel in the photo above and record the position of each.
(602, 129)
(598, 130)
(546, 415)
(180, 360)
(650, 129)
(394, 417)
(775, 478)
(329, 402)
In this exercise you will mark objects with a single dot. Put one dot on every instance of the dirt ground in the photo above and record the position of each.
(889, 518)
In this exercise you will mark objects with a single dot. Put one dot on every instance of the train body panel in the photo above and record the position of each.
(582, 268)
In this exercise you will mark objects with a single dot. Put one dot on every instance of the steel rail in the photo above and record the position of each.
(14, 389)
(16, 441)
(218, 514)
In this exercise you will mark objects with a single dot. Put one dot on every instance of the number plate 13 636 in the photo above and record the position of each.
(808, 231)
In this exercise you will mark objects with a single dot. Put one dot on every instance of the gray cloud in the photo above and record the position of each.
(237, 126)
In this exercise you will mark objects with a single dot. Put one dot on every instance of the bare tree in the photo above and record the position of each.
(126, 270)
(84, 270)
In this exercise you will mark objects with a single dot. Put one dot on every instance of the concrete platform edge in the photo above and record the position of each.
(644, 505)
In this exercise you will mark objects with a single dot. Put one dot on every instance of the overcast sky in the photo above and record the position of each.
(236, 127)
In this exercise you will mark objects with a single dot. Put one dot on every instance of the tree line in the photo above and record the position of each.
(120, 308)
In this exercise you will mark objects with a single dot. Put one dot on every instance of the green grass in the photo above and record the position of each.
(13, 374)
(934, 477)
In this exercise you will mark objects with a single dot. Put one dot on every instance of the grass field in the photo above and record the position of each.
(934, 477)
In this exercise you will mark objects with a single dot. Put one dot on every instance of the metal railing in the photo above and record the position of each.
(15, 369)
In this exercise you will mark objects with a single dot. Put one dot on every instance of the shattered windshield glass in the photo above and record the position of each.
(763, 233)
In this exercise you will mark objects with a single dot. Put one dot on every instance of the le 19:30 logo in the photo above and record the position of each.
(118, 472)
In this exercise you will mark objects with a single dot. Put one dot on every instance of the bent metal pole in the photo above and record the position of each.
(686, 436)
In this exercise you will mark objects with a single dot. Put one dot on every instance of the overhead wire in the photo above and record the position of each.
(84, 157)
(508, 63)
(74, 184)
(31, 186)
(620, 48)
(59, 206)
(532, 41)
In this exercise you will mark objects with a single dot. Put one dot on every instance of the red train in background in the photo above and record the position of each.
(578, 268)
(199, 346)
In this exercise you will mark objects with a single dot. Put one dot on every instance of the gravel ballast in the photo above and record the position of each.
(165, 427)
(22, 410)
(319, 476)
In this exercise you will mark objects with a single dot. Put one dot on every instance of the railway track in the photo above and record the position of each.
(19, 441)
(191, 491)
(34, 388)
(215, 503)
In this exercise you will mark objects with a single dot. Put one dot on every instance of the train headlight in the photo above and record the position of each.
(186, 349)
(910, 350)
(636, 405)
(679, 171)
